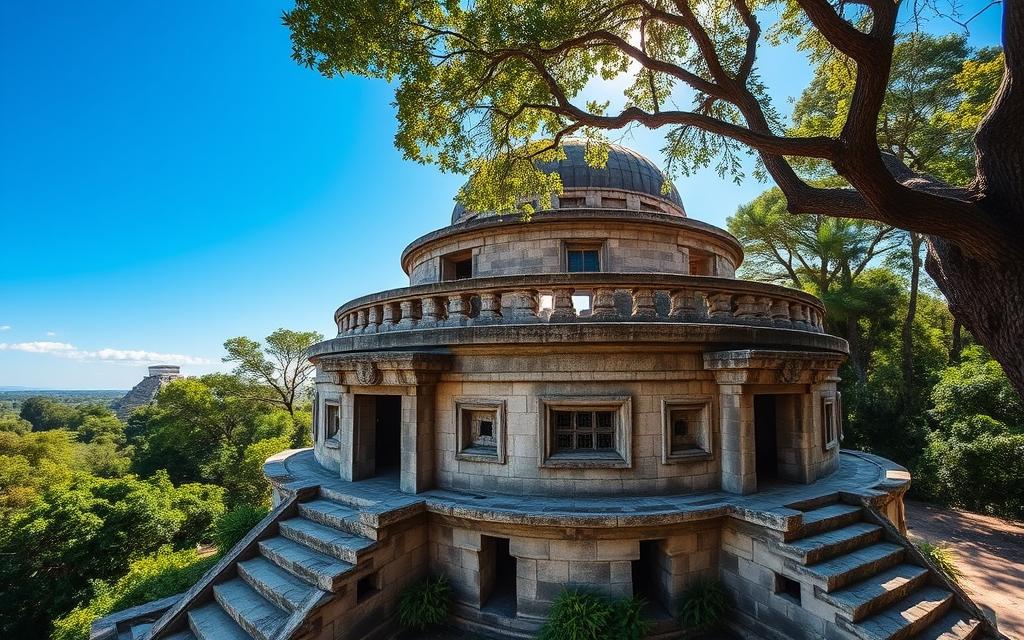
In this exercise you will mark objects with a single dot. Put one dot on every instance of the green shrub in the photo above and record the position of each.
(703, 605)
(233, 525)
(942, 557)
(581, 615)
(628, 621)
(425, 604)
(151, 578)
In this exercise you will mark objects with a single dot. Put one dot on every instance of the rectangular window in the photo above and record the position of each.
(332, 419)
(480, 429)
(830, 434)
(586, 432)
(457, 266)
(583, 260)
(687, 429)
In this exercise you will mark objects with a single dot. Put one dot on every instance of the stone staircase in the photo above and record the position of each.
(267, 586)
(874, 584)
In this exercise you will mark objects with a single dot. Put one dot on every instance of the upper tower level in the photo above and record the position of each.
(624, 218)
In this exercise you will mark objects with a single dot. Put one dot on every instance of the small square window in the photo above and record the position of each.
(480, 430)
(787, 587)
(582, 259)
(367, 587)
(457, 266)
(582, 432)
(687, 430)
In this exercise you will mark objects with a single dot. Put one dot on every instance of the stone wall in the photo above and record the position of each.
(529, 249)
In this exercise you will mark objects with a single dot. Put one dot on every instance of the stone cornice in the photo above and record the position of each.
(627, 333)
(766, 366)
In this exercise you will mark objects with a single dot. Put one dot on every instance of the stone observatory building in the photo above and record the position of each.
(593, 400)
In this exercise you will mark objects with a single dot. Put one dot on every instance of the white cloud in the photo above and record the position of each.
(50, 334)
(128, 356)
(5, 327)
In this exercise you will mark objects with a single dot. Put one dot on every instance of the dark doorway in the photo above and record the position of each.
(497, 577)
(647, 579)
(766, 444)
(387, 434)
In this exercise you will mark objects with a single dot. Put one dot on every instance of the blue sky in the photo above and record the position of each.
(169, 178)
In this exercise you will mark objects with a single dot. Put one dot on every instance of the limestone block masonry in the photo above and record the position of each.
(588, 400)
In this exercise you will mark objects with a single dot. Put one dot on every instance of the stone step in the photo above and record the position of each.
(185, 634)
(139, 631)
(955, 625)
(863, 598)
(827, 518)
(254, 613)
(815, 502)
(309, 564)
(275, 584)
(836, 573)
(904, 618)
(210, 622)
(339, 544)
(830, 543)
(336, 516)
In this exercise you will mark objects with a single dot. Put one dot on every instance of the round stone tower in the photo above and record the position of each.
(587, 400)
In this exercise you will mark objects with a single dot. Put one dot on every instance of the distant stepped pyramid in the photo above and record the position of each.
(145, 392)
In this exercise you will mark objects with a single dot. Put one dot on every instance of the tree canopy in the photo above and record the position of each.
(278, 370)
(487, 88)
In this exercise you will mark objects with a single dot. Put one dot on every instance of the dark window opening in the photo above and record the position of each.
(463, 269)
(787, 587)
(367, 587)
(583, 260)
(487, 428)
(388, 433)
(457, 266)
(497, 576)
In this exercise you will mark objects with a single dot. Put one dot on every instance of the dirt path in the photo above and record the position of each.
(990, 552)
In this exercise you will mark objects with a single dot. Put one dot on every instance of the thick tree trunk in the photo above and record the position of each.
(956, 346)
(988, 298)
(916, 240)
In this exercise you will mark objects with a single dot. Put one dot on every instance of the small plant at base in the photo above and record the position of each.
(577, 615)
(424, 604)
(581, 615)
(942, 557)
(628, 621)
(235, 524)
(703, 605)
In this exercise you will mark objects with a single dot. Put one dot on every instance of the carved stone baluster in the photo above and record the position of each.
(780, 313)
(410, 314)
(603, 304)
(685, 305)
(720, 306)
(490, 308)
(520, 306)
(360, 321)
(797, 314)
(746, 308)
(432, 312)
(373, 319)
(562, 309)
(458, 310)
(643, 304)
(390, 318)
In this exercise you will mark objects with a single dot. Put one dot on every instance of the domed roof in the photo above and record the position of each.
(626, 170)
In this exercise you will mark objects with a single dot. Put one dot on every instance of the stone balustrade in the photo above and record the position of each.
(581, 297)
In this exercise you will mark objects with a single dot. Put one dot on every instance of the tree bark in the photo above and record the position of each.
(916, 240)
(987, 297)
(956, 346)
